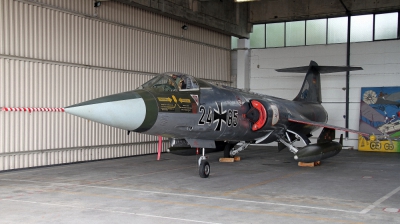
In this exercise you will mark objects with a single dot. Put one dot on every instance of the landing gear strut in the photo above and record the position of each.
(230, 151)
(204, 166)
(288, 142)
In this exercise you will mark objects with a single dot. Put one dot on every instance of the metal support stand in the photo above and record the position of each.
(290, 146)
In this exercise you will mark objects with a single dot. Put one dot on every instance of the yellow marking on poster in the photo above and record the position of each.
(377, 145)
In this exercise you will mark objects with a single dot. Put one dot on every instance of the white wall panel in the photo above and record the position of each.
(380, 61)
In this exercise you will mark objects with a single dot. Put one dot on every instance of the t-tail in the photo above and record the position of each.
(311, 89)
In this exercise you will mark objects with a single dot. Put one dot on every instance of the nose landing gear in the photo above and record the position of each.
(204, 166)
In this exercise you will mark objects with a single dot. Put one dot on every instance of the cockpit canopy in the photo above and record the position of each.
(174, 81)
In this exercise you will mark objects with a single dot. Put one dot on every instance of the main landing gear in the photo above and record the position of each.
(204, 166)
(230, 151)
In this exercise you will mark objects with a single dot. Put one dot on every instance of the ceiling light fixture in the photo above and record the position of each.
(97, 4)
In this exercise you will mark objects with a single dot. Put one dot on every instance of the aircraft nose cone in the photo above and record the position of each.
(124, 110)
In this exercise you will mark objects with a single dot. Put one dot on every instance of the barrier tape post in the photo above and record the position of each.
(159, 147)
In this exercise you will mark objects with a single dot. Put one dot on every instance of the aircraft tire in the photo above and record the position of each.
(227, 150)
(204, 169)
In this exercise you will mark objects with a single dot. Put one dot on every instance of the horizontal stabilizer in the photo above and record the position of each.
(320, 69)
(321, 124)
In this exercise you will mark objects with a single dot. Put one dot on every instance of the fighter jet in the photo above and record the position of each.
(194, 113)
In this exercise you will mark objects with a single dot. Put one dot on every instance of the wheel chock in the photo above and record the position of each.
(226, 160)
(312, 164)
(236, 158)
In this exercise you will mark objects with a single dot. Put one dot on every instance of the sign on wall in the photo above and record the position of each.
(380, 114)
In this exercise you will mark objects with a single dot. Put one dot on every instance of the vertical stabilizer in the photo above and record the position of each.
(311, 88)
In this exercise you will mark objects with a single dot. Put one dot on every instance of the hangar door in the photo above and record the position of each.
(58, 53)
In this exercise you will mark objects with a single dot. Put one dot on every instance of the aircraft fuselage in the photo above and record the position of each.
(220, 113)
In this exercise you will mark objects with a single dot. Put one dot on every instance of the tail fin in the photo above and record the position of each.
(311, 89)
(327, 135)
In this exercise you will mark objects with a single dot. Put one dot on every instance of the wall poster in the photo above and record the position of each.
(380, 114)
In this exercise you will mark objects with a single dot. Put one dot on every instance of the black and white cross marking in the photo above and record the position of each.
(219, 116)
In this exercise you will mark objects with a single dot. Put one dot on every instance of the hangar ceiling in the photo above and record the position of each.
(236, 19)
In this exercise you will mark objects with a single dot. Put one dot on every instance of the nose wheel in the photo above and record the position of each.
(204, 166)
(204, 169)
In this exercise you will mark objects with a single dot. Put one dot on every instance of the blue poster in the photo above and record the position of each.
(380, 115)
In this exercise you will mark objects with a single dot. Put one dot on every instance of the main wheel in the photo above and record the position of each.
(227, 150)
(204, 169)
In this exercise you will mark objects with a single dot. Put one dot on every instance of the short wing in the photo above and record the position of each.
(321, 124)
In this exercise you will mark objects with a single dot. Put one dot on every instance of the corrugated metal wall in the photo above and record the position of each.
(58, 53)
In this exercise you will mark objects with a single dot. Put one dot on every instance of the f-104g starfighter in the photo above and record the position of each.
(194, 113)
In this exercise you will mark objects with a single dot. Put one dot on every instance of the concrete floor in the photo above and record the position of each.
(265, 187)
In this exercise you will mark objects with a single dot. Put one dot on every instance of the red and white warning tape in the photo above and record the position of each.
(32, 109)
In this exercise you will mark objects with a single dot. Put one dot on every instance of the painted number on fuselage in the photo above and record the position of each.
(219, 116)
(232, 118)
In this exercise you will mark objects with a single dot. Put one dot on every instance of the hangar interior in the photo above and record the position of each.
(55, 53)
